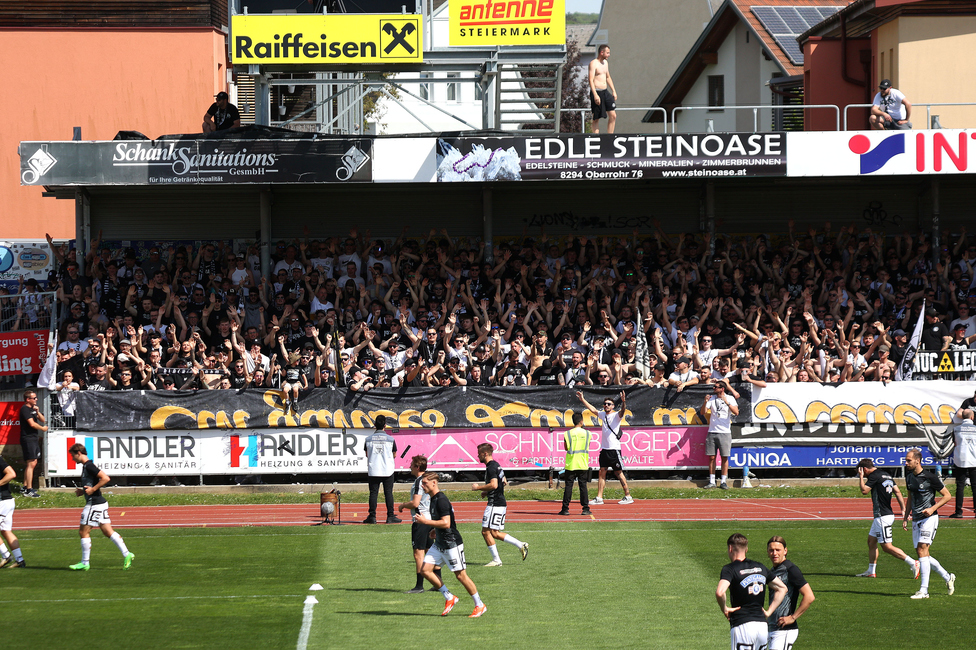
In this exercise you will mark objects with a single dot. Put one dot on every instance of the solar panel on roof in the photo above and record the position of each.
(786, 23)
(770, 20)
(810, 14)
(792, 49)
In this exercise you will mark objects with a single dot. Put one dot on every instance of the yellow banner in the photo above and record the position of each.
(332, 38)
(508, 22)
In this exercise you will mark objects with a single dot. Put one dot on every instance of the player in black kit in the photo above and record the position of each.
(96, 509)
(923, 485)
(493, 521)
(746, 582)
(783, 629)
(879, 484)
(448, 548)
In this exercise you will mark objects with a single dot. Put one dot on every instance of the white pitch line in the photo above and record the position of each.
(119, 600)
(310, 604)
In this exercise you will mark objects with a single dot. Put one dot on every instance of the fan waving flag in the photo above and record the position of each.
(49, 374)
(642, 356)
(907, 365)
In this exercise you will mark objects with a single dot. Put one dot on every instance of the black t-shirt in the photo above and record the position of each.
(882, 487)
(493, 470)
(98, 385)
(923, 487)
(440, 507)
(27, 413)
(932, 336)
(89, 477)
(793, 578)
(747, 590)
(223, 119)
(5, 488)
(544, 377)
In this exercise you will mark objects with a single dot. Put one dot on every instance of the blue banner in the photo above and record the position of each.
(828, 456)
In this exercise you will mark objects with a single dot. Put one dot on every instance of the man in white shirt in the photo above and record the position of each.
(610, 457)
(719, 408)
(891, 110)
(964, 460)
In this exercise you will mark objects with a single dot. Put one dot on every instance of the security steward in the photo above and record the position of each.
(577, 442)
(380, 448)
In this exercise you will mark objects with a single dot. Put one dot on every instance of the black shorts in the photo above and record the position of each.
(31, 447)
(607, 103)
(420, 534)
(610, 458)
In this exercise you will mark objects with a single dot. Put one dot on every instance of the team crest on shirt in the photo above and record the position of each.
(754, 584)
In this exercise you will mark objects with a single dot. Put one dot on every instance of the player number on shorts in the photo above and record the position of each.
(887, 532)
(497, 520)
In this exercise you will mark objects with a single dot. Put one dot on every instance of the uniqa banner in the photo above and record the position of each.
(23, 353)
(407, 408)
(330, 451)
(611, 157)
(196, 162)
(507, 22)
(900, 402)
(327, 38)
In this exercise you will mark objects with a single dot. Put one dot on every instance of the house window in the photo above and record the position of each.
(425, 88)
(716, 90)
(453, 89)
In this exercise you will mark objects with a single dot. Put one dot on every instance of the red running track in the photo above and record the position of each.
(468, 512)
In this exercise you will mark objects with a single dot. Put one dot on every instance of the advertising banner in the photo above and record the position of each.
(10, 423)
(900, 402)
(611, 157)
(507, 22)
(196, 162)
(946, 361)
(23, 353)
(828, 456)
(880, 153)
(407, 408)
(331, 451)
(305, 39)
(27, 259)
(815, 434)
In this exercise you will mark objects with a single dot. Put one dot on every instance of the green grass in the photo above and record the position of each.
(50, 499)
(585, 584)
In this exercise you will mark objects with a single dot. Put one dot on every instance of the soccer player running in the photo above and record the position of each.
(610, 435)
(747, 582)
(782, 625)
(881, 486)
(493, 521)
(923, 509)
(420, 534)
(448, 548)
(12, 558)
(96, 509)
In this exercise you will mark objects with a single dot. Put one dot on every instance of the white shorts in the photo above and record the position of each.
(451, 557)
(95, 515)
(783, 639)
(881, 528)
(494, 517)
(7, 514)
(923, 532)
(750, 636)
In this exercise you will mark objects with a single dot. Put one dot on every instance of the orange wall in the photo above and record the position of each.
(153, 81)
(824, 83)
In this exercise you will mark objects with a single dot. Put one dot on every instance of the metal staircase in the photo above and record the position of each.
(528, 96)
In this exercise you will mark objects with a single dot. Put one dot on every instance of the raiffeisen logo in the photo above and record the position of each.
(874, 159)
(243, 455)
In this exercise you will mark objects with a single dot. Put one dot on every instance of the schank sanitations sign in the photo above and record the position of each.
(328, 38)
(507, 22)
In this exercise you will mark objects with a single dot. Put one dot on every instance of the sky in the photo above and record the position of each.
(585, 6)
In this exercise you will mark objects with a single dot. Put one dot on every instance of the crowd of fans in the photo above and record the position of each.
(828, 306)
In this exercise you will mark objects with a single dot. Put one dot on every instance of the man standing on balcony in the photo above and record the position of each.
(603, 96)
(891, 110)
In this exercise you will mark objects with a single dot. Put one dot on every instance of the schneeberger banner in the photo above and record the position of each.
(328, 38)
(508, 22)
(419, 408)
(611, 157)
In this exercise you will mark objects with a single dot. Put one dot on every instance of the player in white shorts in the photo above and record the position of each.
(923, 508)
(95, 512)
(14, 558)
(493, 521)
(877, 482)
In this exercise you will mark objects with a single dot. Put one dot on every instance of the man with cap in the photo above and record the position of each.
(934, 334)
(899, 343)
(221, 115)
(891, 111)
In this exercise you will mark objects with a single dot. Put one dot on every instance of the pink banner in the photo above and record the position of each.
(23, 353)
(457, 449)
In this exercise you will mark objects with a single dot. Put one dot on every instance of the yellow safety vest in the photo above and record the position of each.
(577, 449)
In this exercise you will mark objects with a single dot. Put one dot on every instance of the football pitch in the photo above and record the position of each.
(584, 585)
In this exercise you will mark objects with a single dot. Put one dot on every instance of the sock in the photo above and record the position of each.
(477, 600)
(420, 581)
(938, 568)
(118, 542)
(494, 552)
(926, 568)
(711, 479)
(447, 594)
(909, 561)
(511, 540)
(3, 552)
(85, 549)
(17, 554)
(725, 478)
(873, 568)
